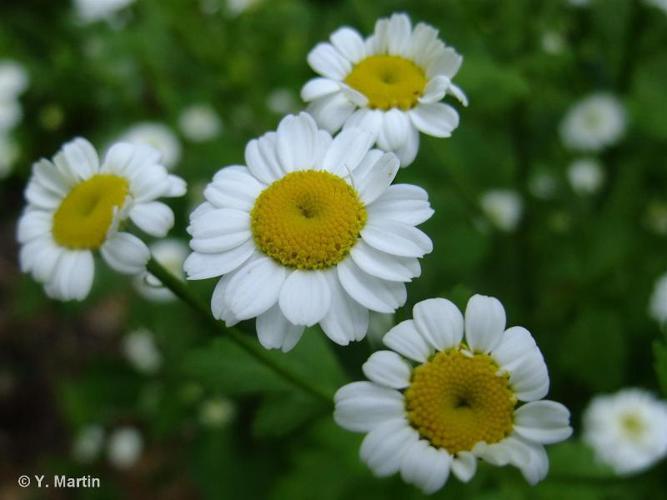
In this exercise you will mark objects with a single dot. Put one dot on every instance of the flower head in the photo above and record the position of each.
(585, 175)
(441, 398)
(627, 430)
(124, 447)
(310, 231)
(200, 123)
(503, 207)
(389, 83)
(158, 136)
(75, 207)
(594, 123)
(96, 10)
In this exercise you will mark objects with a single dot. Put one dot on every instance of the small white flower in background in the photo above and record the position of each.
(579, 3)
(311, 231)
(542, 185)
(216, 412)
(13, 79)
(88, 443)
(448, 393)
(124, 447)
(655, 217)
(552, 42)
(171, 253)
(585, 175)
(200, 123)
(593, 123)
(10, 114)
(282, 101)
(660, 4)
(90, 11)
(503, 207)
(140, 350)
(9, 153)
(627, 430)
(158, 136)
(75, 205)
(657, 308)
(236, 7)
(390, 84)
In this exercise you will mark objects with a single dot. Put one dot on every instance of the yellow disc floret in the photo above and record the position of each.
(457, 400)
(308, 220)
(86, 213)
(388, 81)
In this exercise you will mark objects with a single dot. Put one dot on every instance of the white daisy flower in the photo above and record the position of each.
(594, 123)
(216, 412)
(627, 430)
(158, 136)
(200, 123)
(585, 175)
(658, 303)
(309, 232)
(437, 402)
(503, 207)
(90, 11)
(390, 84)
(88, 443)
(124, 447)
(140, 350)
(171, 254)
(13, 79)
(75, 206)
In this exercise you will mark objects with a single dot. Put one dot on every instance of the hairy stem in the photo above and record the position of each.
(180, 289)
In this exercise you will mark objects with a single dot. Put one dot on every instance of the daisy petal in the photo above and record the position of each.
(436, 119)
(484, 323)
(52, 178)
(384, 266)
(177, 187)
(408, 152)
(125, 253)
(399, 32)
(519, 355)
(154, 218)
(383, 447)
(327, 61)
(233, 187)
(73, 275)
(440, 322)
(346, 320)
(262, 159)
(464, 466)
(425, 467)
(395, 129)
(296, 142)
(367, 119)
(319, 87)
(34, 224)
(305, 297)
(435, 90)
(405, 339)
(81, 158)
(447, 63)
(396, 238)
(219, 230)
(331, 111)
(219, 307)
(403, 203)
(200, 266)
(255, 288)
(372, 293)
(275, 332)
(388, 369)
(374, 175)
(346, 151)
(362, 406)
(543, 421)
(349, 43)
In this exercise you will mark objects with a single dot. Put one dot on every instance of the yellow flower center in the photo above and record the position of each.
(86, 213)
(456, 401)
(388, 81)
(308, 220)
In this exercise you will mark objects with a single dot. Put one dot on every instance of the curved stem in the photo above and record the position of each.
(180, 289)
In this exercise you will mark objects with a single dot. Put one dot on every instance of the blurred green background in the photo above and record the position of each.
(577, 271)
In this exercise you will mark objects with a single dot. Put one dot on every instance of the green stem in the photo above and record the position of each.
(180, 289)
